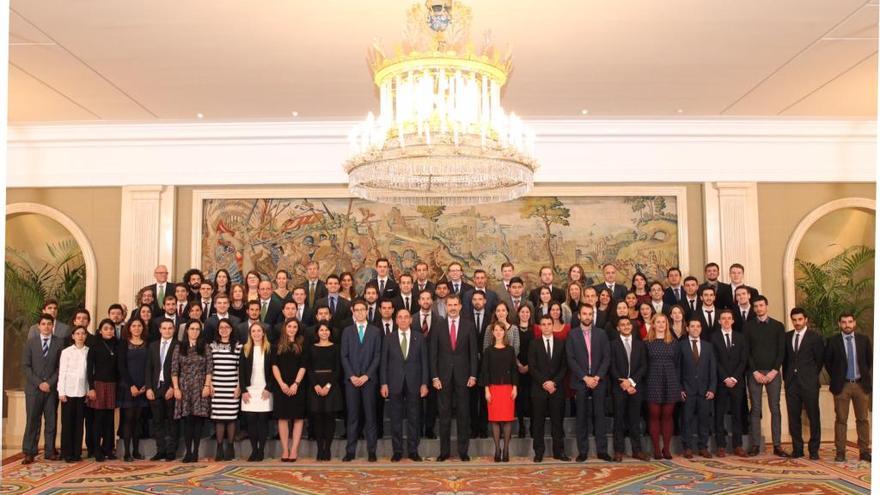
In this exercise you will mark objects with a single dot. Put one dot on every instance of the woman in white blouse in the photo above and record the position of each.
(72, 389)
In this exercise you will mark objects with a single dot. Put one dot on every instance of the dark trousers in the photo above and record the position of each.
(523, 402)
(627, 420)
(429, 410)
(360, 400)
(72, 413)
(479, 411)
(89, 416)
(164, 425)
(798, 398)
(729, 400)
(590, 406)
(461, 395)
(697, 414)
(40, 407)
(544, 404)
(380, 414)
(105, 438)
(406, 404)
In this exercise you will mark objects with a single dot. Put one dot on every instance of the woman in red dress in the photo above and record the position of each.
(499, 375)
(646, 315)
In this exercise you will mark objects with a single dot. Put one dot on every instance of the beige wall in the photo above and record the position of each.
(97, 212)
(782, 207)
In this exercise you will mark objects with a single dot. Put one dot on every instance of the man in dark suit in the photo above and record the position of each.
(804, 357)
(556, 294)
(404, 376)
(849, 360)
(656, 293)
(711, 272)
(385, 283)
(699, 378)
(221, 304)
(244, 328)
(732, 357)
(515, 299)
(340, 308)
(742, 310)
(591, 296)
(304, 313)
(371, 297)
(59, 329)
(421, 281)
(170, 313)
(314, 286)
(40, 367)
(405, 297)
(691, 300)
(727, 297)
(270, 307)
(205, 301)
(674, 292)
(708, 312)
(453, 357)
(288, 311)
(422, 321)
(160, 393)
(480, 316)
(161, 288)
(609, 274)
(386, 324)
(588, 354)
(629, 364)
(547, 366)
(481, 281)
(457, 285)
(361, 353)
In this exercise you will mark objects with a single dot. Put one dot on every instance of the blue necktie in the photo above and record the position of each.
(361, 333)
(333, 305)
(850, 359)
(45, 347)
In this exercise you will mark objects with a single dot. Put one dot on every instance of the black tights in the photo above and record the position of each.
(131, 428)
(497, 428)
(224, 430)
(258, 429)
(325, 426)
(105, 434)
(192, 433)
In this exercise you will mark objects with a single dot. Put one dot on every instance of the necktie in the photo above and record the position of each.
(727, 338)
(381, 286)
(588, 339)
(45, 346)
(709, 319)
(425, 324)
(452, 333)
(516, 304)
(797, 343)
(404, 346)
(549, 353)
(695, 350)
(163, 353)
(162, 292)
(456, 289)
(311, 293)
(406, 303)
(361, 333)
(264, 307)
(677, 294)
(693, 306)
(628, 346)
(180, 309)
(850, 359)
(744, 314)
(371, 313)
(333, 305)
(387, 328)
(205, 308)
(477, 318)
(300, 314)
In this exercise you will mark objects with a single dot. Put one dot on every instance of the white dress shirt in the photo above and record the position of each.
(799, 337)
(72, 381)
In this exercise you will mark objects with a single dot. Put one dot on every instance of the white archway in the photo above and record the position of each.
(797, 236)
(78, 235)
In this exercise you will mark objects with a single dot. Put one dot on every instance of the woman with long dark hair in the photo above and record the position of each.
(225, 356)
(191, 369)
(325, 398)
(133, 401)
(499, 376)
(289, 370)
(102, 366)
(222, 282)
(523, 397)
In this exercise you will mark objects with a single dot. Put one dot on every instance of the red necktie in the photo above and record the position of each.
(452, 334)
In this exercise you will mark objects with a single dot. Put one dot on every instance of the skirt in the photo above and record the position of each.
(105, 396)
(500, 408)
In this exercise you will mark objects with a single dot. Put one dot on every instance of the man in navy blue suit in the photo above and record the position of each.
(698, 384)
(404, 376)
(589, 357)
(361, 353)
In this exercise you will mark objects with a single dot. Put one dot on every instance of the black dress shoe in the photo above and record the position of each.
(777, 451)
(538, 458)
(138, 456)
(865, 456)
(396, 457)
(464, 457)
(754, 450)
(604, 457)
(840, 457)
(371, 457)
(111, 457)
(430, 435)
(581, 458)
(128, 458)
(442, 457)
(252, 457)
(170, 457)
(794, 454)
(415, 457)
(563, 458)
(348, 458)
(28, 459)
(814, 456)
(158, 457)
(99, 457)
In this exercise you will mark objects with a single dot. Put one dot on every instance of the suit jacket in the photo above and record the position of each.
(243, 329)
(391, 288)
(154, 365)
(707, 330)
(341, 318)
(153, 333)
(428, 286)
(211, 326)
(556, 295)
(806, 364)
(484, 324)
(246, 370)
(543, 367)
(308, 315)
(513, 315)
(211, 309)
(446, 362)
(618, 293)
(411, 371)
(413, 302)
(273, 311)
(491, 300)
(733, 362)
(361, 358)
(38, 369)
(62, 331)
(726, 299)
(638, 363)
(688, 312)
(720, 290)
(835, 361)
(320, 291)
(579, 360)
(664, 308)
(700, 377)
(669, 296)
(738, 320)
(157, 302)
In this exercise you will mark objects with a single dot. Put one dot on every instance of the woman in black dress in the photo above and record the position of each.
(662, 383)
(288, 368)
(523, 400)
(102, 369)
(132, 368)
(325, 398)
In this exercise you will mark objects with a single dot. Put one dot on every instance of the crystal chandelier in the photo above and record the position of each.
(442, 136)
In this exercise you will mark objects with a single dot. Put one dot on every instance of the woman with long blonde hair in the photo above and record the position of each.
(253, 381)
(662, 383)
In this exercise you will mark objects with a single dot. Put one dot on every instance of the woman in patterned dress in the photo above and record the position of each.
(191, 369)
(225, 354)
(663, 383)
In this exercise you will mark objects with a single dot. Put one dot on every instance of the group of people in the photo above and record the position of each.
(678, 356)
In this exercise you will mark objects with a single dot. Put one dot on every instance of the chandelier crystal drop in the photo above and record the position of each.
(442, 136)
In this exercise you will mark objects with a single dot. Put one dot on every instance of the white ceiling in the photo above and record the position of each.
(90, 60)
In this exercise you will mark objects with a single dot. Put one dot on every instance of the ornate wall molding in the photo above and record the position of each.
(732, 227)
(146, 237)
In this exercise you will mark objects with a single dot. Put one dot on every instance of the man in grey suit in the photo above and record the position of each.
(515, 298)
(59, 329)
(40, 364)
(404, 377)
(589, 356)
(243, 330)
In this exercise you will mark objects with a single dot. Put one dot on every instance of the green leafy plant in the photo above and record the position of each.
(29, 282)
(842, 283)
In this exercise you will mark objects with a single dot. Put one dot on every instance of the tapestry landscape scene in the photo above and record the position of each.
(637, 233)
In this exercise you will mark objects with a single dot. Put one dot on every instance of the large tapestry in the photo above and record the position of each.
(636, 233)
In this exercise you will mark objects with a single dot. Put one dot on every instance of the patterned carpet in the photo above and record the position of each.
(765, 474)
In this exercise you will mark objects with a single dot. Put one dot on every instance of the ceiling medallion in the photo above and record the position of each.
(442, 136)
